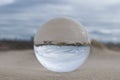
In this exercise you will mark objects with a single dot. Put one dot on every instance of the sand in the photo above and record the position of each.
(102, 64)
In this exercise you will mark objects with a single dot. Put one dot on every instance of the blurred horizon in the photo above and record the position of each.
(20, 19)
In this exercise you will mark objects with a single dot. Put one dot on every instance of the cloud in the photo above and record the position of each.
(6, 2)
(28, 15)
(91, 3)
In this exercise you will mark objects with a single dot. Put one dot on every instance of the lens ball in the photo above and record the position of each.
(61, 45)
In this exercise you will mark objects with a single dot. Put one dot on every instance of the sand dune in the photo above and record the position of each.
(102, 64)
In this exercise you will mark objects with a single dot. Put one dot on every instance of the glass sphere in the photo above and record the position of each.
(61, 45)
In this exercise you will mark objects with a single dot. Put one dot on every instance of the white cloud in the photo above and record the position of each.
(94, 2)
(6, 2)
(29, 14)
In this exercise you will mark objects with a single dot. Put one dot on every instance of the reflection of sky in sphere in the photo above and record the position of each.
(61, 58)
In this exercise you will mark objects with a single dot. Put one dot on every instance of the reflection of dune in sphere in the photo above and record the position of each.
(61, 58)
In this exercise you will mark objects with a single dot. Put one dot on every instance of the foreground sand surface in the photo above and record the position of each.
(102, 64)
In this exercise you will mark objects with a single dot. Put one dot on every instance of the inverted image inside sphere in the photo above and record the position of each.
(62, 59)
(61, 30)
(61, 45)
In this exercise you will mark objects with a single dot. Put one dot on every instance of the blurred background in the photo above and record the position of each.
(20, 19)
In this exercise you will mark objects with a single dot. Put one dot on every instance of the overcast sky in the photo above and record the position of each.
(25, 16)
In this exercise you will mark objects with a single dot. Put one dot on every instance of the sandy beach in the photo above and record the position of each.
(102, 64)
